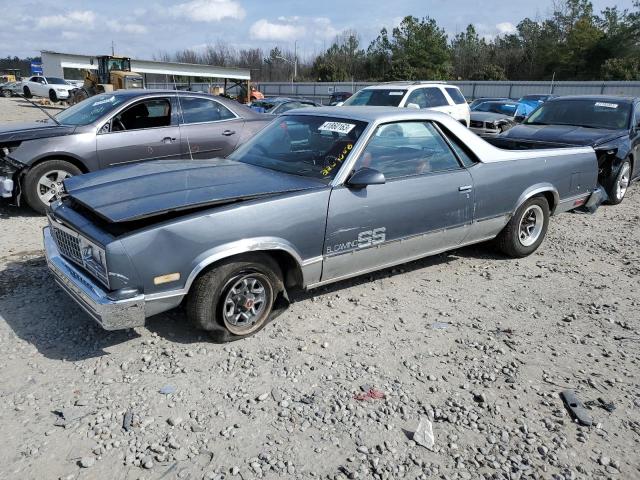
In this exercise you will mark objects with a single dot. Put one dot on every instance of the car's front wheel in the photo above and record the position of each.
(6, 93)
(27, 92)
(235, 298)
(526, 230)
(53, 96)
(43, 183)
(619, 183)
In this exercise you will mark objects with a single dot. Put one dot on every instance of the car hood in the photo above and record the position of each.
(149, 189)
(19, 132)
(567, 134)
(489, 116)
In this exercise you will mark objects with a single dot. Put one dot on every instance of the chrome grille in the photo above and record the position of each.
(68, 243)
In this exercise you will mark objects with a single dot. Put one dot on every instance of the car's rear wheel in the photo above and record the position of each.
(619, 184)
(43, 183)
(53, 96)
(6, 93)
(235, 298)
(526, 230)
(27, 92)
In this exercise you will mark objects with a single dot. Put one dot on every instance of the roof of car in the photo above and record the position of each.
(283, 99)
(606, 98)
(405, 85)
(371, 114)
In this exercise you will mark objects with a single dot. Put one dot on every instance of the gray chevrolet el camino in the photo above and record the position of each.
(318, 196)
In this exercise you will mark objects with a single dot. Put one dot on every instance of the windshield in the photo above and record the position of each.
(303, 145)
(607, 114)
(377, 97)
(56, 81)
(90, 109)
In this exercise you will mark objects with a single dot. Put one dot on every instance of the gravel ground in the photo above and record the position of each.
(476, 345)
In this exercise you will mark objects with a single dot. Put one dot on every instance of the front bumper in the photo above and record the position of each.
(110, 314)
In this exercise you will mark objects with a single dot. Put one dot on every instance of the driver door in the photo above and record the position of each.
(425, 206)
(145, 130)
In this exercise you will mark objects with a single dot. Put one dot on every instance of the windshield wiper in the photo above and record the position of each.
(42, 110)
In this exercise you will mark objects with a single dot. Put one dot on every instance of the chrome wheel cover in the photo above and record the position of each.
(246, 302)
(623, 181)
(530, 225)
(50, 185)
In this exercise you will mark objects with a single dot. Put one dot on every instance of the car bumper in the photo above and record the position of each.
(110, 314)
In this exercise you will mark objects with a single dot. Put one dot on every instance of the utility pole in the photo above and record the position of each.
(113, 49)
(295, 60)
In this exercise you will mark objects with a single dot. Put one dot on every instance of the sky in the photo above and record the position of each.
(144, 29)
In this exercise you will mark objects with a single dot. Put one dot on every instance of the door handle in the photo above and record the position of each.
(228, 133)
(465, 188)
(168, 139)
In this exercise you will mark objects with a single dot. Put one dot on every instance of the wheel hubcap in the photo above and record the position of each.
(623, 181)
(246, 301)
(50, 185)
(531, 224)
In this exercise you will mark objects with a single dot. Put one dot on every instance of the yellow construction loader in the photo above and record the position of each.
(114, 73)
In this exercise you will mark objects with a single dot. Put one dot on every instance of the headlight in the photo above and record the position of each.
(491, 125)
(94, 259)
(61, 90)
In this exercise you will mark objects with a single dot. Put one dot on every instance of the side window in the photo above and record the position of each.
(456, 95)
(465, 155)
(404, 149)
(435, 97)
(151, 113)
(636, 122)
(417, 97)
(198, 110)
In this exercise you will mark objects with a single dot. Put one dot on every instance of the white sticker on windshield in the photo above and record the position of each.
(112, 98)
(336, 127)
(396, 93)
(606, 105)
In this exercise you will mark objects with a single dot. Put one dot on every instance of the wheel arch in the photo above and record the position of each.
(65, 157)
(285, 255)
(546, 190)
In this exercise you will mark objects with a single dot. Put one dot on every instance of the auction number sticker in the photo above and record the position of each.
(606, 105)
(336, 127)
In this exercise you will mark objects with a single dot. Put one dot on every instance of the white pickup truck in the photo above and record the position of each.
(53, 88)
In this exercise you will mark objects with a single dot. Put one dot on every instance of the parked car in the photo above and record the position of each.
(279, 105)
(53, 88)
(435, 96)
(114, 129)
(610, 124)
(529, 103)
(11, 89)
(318, 196)
(338, 97)
(490, 118)
(488, 99)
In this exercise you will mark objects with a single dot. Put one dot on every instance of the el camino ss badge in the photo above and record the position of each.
(365, 239)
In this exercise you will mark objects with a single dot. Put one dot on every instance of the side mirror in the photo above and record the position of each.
(366, 176)
(413, 105)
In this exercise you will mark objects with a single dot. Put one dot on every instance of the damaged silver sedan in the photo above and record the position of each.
(318, 196)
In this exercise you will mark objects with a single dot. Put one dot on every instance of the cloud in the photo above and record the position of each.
(505, 28)
(74, 19)
(209, 10)
(134, 28)
(266, 30)
(293, 28)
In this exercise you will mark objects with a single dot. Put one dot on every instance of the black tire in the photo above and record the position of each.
(206, 299)
(31, 187)
(53, 96)
(6, 93)
(509, 239)
(27, 92)
(617, 195)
